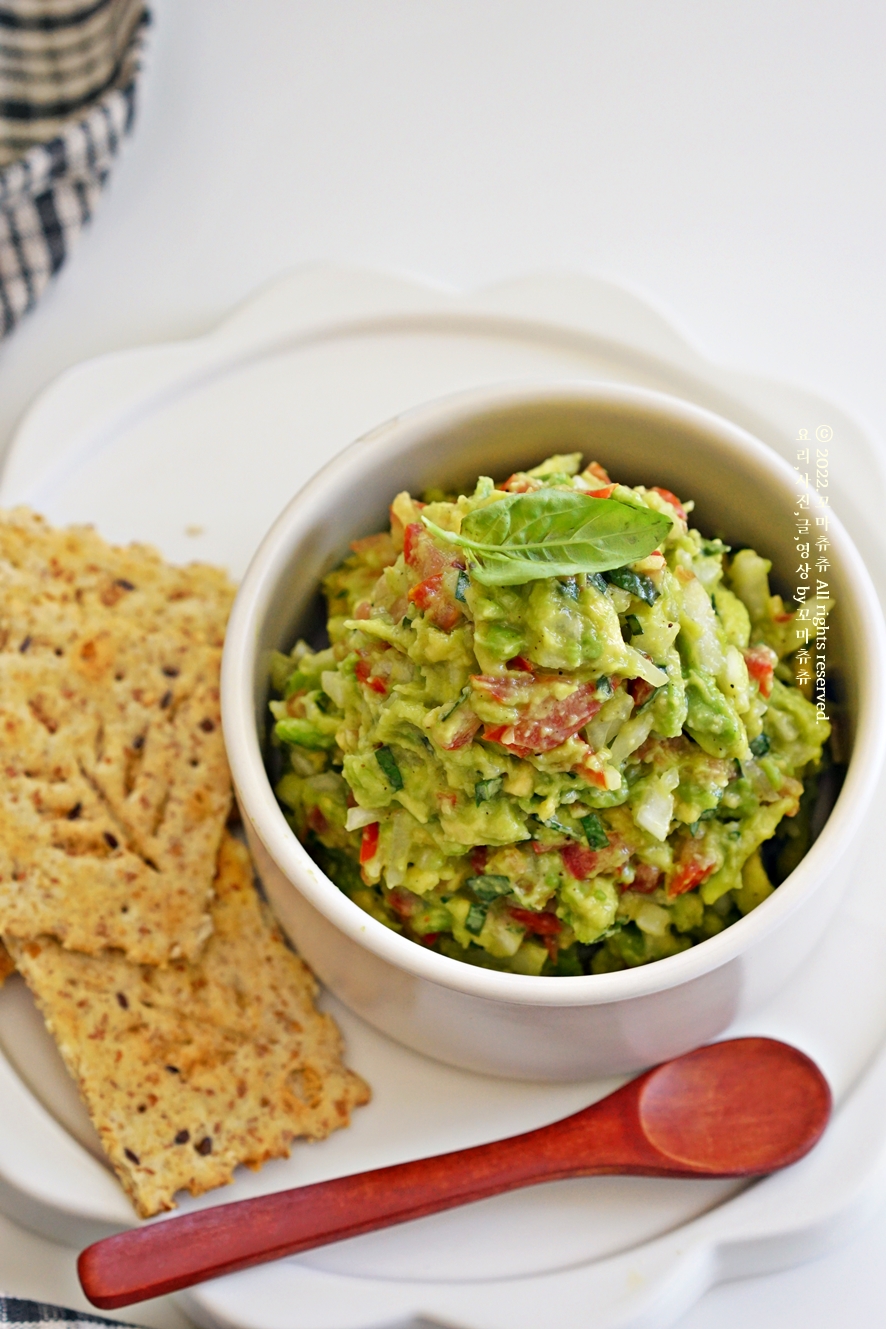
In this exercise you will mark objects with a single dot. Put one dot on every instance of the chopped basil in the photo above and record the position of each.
(476, 917)
(388, 762)
(487, 887)
(760, 745)
(569, 587)
(636, 582)
(604, 686)
(595, 831)
(634, 624)
(598, 580)
(462, 583)
(486, 789)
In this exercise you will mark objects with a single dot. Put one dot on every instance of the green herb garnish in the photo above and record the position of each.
(476, 917)
(595, 831)
(388, 762)
(462, 583)
(487, 887)
(760, 745)
(486, 789)
(553, 533)
(636, 582)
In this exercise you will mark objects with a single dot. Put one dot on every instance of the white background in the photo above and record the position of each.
(725, 160)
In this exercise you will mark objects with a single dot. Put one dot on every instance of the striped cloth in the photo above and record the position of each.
(38, 1315)
(68, 71)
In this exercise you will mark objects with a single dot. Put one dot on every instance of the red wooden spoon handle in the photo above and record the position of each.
(739, 1108)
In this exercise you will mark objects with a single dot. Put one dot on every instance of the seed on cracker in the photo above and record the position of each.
(189, 1070)
(115, 785)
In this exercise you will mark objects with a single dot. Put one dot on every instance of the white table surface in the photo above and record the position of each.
(726, 161)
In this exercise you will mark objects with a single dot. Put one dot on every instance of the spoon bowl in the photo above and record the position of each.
(741, 1108)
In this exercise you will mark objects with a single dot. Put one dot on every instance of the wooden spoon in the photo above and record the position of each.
(735, 1109)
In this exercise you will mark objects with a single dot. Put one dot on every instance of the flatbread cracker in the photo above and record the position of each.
(189, 1070)
(115, 783)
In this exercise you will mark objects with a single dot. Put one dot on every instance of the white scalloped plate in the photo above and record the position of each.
(196, 446)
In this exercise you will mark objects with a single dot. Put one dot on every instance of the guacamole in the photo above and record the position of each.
(556, 731)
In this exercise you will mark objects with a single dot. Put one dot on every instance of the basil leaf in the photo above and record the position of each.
(487, 886)
(388, 762)
(636, 582)
(462, 582)
(595, 831)
(760, 745)
(486, 789)
(476, 917)
(553, 533)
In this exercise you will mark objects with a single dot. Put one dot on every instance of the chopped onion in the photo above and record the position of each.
(358, 817)
(656, 806)
(631, 735)
(333, 685)
(646, 669)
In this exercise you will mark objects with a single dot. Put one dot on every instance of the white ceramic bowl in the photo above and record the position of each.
(508, 1024)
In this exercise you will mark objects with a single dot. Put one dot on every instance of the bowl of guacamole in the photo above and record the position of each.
(520, 716)
(556, 730)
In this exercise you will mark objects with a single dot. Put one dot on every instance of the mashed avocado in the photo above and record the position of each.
(555, 730)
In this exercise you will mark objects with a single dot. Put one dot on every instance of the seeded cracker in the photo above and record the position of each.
(189, 1070)
(115, 786)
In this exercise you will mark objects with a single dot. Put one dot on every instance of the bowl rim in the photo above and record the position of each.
(395, 437)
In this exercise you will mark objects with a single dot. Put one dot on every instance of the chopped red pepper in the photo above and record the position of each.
(469, 723)
(369, 843)
(760, 661)
(411, 536)
(316, 821)
(363, 674)
(646, 879)
(599, 472)
(543, 925)
(673, 500)
(433, 597)
(640, 690)
(689, 875)
(604, 492)
(478, 858)
(578, 860)
(520, 662)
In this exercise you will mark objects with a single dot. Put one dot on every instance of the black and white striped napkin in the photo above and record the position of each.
(68, 73)
(38, 1315)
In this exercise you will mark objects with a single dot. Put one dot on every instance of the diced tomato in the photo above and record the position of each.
(543, 925)
(519, 484)
(604, 492)
(689, 875)
(423, 594)
(363, 610)
(646, 879)
(468, 725)
(402, 903)
(369, 843)
(513, 690)
(761, 661)
(429, 938)
(538, 848)
(673, 500)
(640, 690)
(555, 721)
(592, 774)
(520, 662)
(782, 618)
(479, 855)
(578, 860)
(433, 598)
(598, 472)
(317, 822)
(411, 536)
(363, 674)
